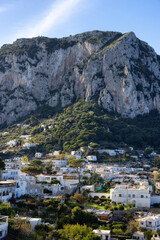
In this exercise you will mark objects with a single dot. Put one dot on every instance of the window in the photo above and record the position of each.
(129, 195)
(133, 195)
(120, 195)
(142, 196)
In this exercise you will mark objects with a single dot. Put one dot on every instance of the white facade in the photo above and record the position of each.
(139, 235)
(3, 226)
(12, 143)
(77, 154)
(38, 155)
(59, 163)
(29, 145)
(104, 234)
(88, 187)
(92, 158)
(13, 165)
(56, 153)
(7, 188)
(150, 222)
(48, 178)
(111, 152)
(139, 196)
(10, 174)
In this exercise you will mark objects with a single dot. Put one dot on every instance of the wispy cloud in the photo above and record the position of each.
(57, 14)
(5, 8)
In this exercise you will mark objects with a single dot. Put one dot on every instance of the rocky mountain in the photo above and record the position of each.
(120, 71)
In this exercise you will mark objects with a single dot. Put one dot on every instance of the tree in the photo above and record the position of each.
(95, 179)
(34, 121)
(78, 232)
(60, 156)
(156, 176)
(48, 167)
(133, 226)
(157, 161)
(83, 217)
(148, 151)
(43, 230)
(36, 163)
(79, 198)
(32, 170)
(24, 159)
(2, 164)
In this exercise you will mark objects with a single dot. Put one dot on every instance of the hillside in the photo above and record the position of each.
(83, 124)
(118, 70)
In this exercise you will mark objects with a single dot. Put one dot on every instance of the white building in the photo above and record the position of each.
(48, 178)
(77, 154)
(59, 163)
(38, 155)
(28, 145)
(111, 152)
(13, 164)
(104, 234)
(150, 222)
(10, 174)
(139, 235)
(88, 187)
(12, 143)
(7, 188)
(56, 153)
(3, 226)
(139, 196)
(92, 158)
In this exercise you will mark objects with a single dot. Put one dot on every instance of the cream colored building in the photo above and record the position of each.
(138, 195)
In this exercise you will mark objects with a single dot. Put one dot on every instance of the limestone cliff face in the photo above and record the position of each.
(122, 72)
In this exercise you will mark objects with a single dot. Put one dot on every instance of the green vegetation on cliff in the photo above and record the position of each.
(85, 123)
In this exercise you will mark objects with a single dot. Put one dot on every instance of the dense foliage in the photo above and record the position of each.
(85, 123)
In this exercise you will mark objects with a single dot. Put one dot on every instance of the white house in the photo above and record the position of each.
(139, 235)
(92, 158)
(104, 234)
(48, 178)
(3, 226)
(77, 154)
(56, 153)
(12, 143)
(88, 187)
(139, 196)
(111, 152)
(120, 151)
(7, 188)
(26, 137)
(13, 164)
(38, 155)
(59, 163)
(150, 222)
(28, 145)
(10, 174)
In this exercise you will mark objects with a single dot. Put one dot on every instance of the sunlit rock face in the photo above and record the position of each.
(121, 72)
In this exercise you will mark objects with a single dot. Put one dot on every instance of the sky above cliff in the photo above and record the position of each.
(59, 18)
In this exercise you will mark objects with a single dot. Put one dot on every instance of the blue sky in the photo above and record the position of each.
(59, 18)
